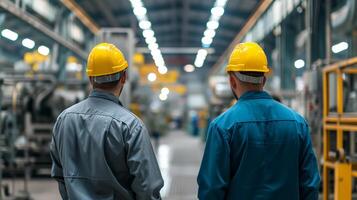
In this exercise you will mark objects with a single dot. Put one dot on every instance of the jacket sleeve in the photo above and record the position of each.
(214, 175)
(142, 163)
(56, 170)
(309, 176)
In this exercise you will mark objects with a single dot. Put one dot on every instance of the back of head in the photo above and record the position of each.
(248, 64)
(106, 65)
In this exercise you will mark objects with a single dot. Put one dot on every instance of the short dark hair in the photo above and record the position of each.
(254, 74)
(106, 86)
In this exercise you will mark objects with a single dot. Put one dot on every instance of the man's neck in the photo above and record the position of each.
(245, 90)
(115, 93)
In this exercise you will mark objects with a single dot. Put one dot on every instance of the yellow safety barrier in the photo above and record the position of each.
(341, 123)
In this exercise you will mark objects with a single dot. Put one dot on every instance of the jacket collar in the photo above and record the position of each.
(105, 95)
(255, 95)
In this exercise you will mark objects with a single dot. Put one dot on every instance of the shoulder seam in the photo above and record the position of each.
(112, 118)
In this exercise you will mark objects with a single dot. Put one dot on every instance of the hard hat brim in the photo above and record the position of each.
(107, 78)
(236, 68)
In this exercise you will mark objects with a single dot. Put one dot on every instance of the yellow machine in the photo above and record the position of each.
(342, 124)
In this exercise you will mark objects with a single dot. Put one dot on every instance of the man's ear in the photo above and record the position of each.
(232, 80)
(91, 80)
(264, 80)
(123, 77)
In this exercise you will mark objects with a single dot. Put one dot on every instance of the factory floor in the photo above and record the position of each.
(179, 156)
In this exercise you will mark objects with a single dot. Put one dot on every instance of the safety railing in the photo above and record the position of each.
(338, 127)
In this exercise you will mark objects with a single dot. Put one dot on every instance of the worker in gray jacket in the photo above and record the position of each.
(100, 150)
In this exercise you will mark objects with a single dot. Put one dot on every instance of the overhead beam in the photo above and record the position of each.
(40, 26)
(264, 5)
(81, 15)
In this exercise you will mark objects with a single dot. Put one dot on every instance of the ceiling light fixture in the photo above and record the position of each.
(199, 62)
(217, 12)
(337, 48)
(152, 77)
(155, 52)
(140, 12)
(9, 34)
(150, 40)
(145, 24)
(162, 69)
(212, 24)
(153, 46)
(206, 41)
(209, 33)
(28, 43)
(162, 97)
(159, 62)
(43, 50)
(136, 3)
(221, 3)
(189, 68)
(299, 63)
(148, 33)
(165, 91)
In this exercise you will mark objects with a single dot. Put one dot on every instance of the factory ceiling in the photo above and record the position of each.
(177, 23)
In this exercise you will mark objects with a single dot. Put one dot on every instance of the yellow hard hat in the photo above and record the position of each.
(248, 57)
(105, 59)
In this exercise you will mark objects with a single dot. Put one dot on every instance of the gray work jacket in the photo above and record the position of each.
(101, 151)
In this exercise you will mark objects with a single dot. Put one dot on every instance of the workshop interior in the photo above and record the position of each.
(177, 52)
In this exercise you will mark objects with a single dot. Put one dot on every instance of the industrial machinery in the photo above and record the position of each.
(30, 104)
(339, 128)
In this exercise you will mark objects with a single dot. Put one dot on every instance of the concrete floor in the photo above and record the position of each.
(39, 188)
(179, 156)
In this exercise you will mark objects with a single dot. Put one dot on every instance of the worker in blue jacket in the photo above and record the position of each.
(259, 148)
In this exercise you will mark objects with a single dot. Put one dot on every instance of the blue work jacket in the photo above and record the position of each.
(258, 149)
(101, 151)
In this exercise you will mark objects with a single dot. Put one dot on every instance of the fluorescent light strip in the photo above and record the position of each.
(216, 13)
(189, 68)
(299, 63)
(140, 12)
(13, 36)
(43, 50)
(28, 43)
(9, 34)
(337, 48)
